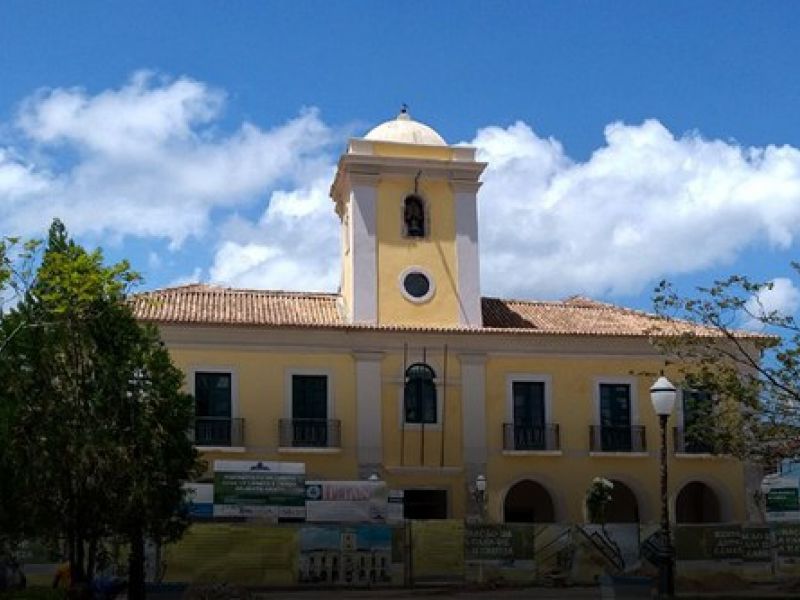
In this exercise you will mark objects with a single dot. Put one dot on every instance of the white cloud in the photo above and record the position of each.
(644, 206)
(780, 298)
(294, 246)
(149, 160)
(145, 160)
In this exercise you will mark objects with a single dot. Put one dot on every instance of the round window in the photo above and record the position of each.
(416, 284)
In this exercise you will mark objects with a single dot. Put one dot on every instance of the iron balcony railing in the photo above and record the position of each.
(310, 433)
(218, 431)
(617, 439)
(691, 442)
(531, 437)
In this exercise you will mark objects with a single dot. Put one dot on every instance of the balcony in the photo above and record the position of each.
(218, 432)
(689, 442)
(310, 433)
(629, 439)
(531, 437)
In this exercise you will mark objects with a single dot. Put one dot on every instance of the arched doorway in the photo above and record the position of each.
(697, 503)
(528, 502)
(623, 508)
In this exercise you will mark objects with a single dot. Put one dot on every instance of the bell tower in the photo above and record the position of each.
(407, 202)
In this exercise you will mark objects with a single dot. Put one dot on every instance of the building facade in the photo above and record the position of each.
(409, 375)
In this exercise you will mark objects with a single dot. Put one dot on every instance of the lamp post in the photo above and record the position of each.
(479, 492)
(662, 395)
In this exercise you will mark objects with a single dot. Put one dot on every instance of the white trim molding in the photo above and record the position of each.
(231, 370)
(617, 380)
(288, 388)
(547, 380)
(422, 271)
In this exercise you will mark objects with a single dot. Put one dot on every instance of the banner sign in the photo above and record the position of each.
(201, 499)
(782, 498)
(396, 506)
(488, 542)
(346, 501)
(787, 540)
(350, 556)
(708, 542)
(259, 489)
(756, 544)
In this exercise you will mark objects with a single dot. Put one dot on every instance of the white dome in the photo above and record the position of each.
(405, 130)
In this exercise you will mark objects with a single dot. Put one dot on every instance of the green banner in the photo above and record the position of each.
(783, 500)
(259, 488)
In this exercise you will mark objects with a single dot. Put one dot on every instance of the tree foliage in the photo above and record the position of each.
(747, 357)
(92, 417)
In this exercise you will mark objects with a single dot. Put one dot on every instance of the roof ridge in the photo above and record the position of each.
(215, 288)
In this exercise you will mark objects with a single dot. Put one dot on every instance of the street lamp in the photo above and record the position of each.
(479, 493)
(662, 395)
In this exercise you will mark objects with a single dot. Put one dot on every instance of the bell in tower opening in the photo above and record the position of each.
(414, 215)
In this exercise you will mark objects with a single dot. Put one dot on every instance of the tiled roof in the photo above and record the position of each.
(200, 304)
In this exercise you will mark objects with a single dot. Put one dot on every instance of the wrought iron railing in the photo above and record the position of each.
(218, 431)
(617, 439)
(310, 433)
(531, 437)
(691, 442)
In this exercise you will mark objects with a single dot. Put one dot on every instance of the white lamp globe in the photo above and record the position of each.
(663, 394)
(480, 483)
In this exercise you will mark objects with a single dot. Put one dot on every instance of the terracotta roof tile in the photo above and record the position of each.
(201, 304)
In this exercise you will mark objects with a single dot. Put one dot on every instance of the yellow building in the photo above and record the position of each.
(409, 374)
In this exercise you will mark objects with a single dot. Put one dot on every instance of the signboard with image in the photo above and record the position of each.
(346, 501)
(259, 489)
(782, 498)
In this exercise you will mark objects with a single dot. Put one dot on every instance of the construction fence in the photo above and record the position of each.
(450, 551)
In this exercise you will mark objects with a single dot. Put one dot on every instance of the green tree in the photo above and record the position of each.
(94, 421)
(746, 356)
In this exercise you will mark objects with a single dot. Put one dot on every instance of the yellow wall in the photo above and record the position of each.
(435, 253)
(568, 476)
(262, 381)
(412, 151)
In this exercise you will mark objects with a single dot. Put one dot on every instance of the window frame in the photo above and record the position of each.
(401, 403)
(631, 382)
(192, 372)
(547, 380)
(288, 399)
(426, 228)
(414, 299)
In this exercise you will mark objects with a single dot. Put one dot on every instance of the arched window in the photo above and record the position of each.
(414, 216)
(420, 394)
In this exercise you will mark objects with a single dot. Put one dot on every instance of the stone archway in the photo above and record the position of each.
(528, 502)
(697, 502)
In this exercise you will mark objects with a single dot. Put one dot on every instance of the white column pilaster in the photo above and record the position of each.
(466, 206)
(363, 198)
(369, 417)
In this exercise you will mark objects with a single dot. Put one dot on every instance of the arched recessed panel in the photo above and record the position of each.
(624, 507)
(697, 503)
(528, 502)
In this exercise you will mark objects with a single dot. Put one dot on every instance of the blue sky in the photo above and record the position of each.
(627, 141)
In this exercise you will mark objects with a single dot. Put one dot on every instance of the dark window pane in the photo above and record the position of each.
(420, 394)
(212, 393)
(416, 284)
(615, 417)
(529, 424)
(309, 397)
(528, 402)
